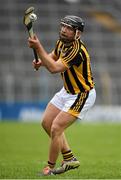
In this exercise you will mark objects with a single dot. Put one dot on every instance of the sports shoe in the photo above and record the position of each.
(47, 171)
(67, 165)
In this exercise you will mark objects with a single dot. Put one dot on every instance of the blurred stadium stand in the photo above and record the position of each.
(20, 83)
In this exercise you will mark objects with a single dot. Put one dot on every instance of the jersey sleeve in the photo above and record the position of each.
(56, 48)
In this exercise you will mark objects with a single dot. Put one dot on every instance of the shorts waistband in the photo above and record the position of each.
(80, 91)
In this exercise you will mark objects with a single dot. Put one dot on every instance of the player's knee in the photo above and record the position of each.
(44, 124)
(55, 130)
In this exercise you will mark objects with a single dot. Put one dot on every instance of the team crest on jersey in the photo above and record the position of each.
(66, 51)
(62, 51)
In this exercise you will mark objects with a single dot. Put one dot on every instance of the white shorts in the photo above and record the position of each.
(77, 105)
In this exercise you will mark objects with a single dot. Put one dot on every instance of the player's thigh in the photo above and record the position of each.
(61, 122)
(49, 115)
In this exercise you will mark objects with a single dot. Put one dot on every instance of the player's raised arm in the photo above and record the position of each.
(47, 60)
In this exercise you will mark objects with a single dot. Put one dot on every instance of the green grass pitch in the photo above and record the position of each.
(24, 150)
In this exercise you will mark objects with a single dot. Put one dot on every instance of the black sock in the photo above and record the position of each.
(68, 155)
(50, 164)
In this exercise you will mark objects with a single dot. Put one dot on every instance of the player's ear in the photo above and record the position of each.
(78, 34)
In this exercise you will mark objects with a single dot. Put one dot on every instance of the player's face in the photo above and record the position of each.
(67, 33)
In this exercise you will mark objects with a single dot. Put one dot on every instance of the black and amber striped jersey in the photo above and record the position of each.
(78, 76)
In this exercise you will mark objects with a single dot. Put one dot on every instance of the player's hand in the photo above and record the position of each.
(36, 65)
(34, 42)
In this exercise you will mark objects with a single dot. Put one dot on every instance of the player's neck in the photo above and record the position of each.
(67, 44)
